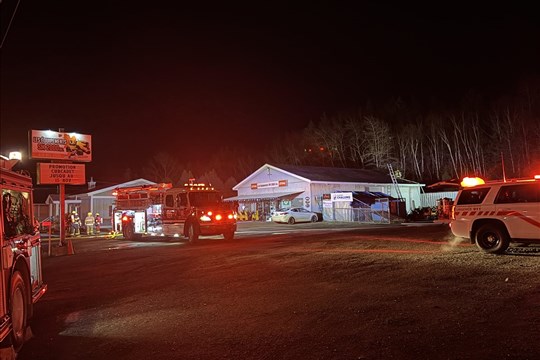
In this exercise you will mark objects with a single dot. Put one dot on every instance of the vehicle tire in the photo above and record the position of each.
(18, 309)
(492, 239)
(314, 219)
(127, 231)
(228, 235)
(291, 220)
(193, 234)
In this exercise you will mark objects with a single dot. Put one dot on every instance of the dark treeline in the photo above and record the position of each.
(425, 145)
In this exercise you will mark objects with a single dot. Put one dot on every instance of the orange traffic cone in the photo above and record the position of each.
(71, 250)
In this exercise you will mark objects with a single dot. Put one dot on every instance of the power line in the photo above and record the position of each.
(10, 21)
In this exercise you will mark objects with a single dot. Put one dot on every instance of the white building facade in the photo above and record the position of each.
(272, 187)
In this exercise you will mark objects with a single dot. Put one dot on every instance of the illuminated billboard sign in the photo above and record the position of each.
(55, 173)
(47, 144)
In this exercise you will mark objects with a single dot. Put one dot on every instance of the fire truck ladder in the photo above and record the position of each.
(394, 181)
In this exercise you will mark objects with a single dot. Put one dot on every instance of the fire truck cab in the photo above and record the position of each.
(21, 281)
(161, 210)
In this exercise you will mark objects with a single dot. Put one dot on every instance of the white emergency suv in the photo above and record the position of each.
(494, 214)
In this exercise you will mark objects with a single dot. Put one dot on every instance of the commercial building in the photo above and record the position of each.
(273, 187)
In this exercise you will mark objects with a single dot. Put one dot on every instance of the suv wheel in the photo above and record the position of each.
(492, 238)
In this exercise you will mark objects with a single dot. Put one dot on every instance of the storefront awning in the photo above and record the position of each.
(260, 197)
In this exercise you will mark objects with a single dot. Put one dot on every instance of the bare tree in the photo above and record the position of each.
(356, 139)
(185, 177)
(379, 142)
(452, 152)
(435, 149)
(328, 139)
(411, 149)
(163, 168)
(212, 178)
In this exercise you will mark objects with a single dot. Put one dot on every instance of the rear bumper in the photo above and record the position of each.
(280, 218)
(216, 229)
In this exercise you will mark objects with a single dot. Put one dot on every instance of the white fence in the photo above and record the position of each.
(361, 215)
(377, 213)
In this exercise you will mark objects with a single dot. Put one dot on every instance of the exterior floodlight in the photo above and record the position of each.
(15, 155)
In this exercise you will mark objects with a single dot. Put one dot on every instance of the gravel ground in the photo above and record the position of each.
(403, 292)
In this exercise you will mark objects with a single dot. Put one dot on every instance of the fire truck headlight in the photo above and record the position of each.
(205, 218)
(218, 217)
(231, 216)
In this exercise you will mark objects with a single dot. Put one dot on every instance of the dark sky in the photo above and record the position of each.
(144, 77)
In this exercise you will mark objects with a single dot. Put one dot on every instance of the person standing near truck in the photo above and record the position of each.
(98, 222)
(89, 223)
(75, 224)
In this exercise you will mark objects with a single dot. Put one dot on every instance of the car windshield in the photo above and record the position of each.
(282, 210)
(204, 198)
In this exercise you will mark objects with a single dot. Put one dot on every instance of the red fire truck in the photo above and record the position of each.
(21, 282)
(160, 210)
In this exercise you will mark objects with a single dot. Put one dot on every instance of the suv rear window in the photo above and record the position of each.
(521, 193)
(472, 196)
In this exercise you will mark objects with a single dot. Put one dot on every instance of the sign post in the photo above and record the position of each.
(63, 149)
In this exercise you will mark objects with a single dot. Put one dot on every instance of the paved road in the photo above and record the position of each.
(245, 230)
(289, 292)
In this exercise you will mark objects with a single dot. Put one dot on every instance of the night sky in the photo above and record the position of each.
(145, 77)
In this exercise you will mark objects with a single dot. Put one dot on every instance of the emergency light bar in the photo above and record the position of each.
(475, 181)
(200, 186)
(472, 181)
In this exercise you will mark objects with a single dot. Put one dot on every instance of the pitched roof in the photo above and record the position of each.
(107, 187)
(334, 174)
(74, 191)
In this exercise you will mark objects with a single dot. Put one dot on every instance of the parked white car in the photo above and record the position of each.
(294, 215)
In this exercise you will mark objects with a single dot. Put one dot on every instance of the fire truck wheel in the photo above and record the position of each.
(193, 234)
(228, 235)
(18, 309)
(492, 238)
(127, 231)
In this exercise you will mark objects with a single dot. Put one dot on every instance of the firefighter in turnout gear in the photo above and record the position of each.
(75, 224)
(98, 221)
(89, 223)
